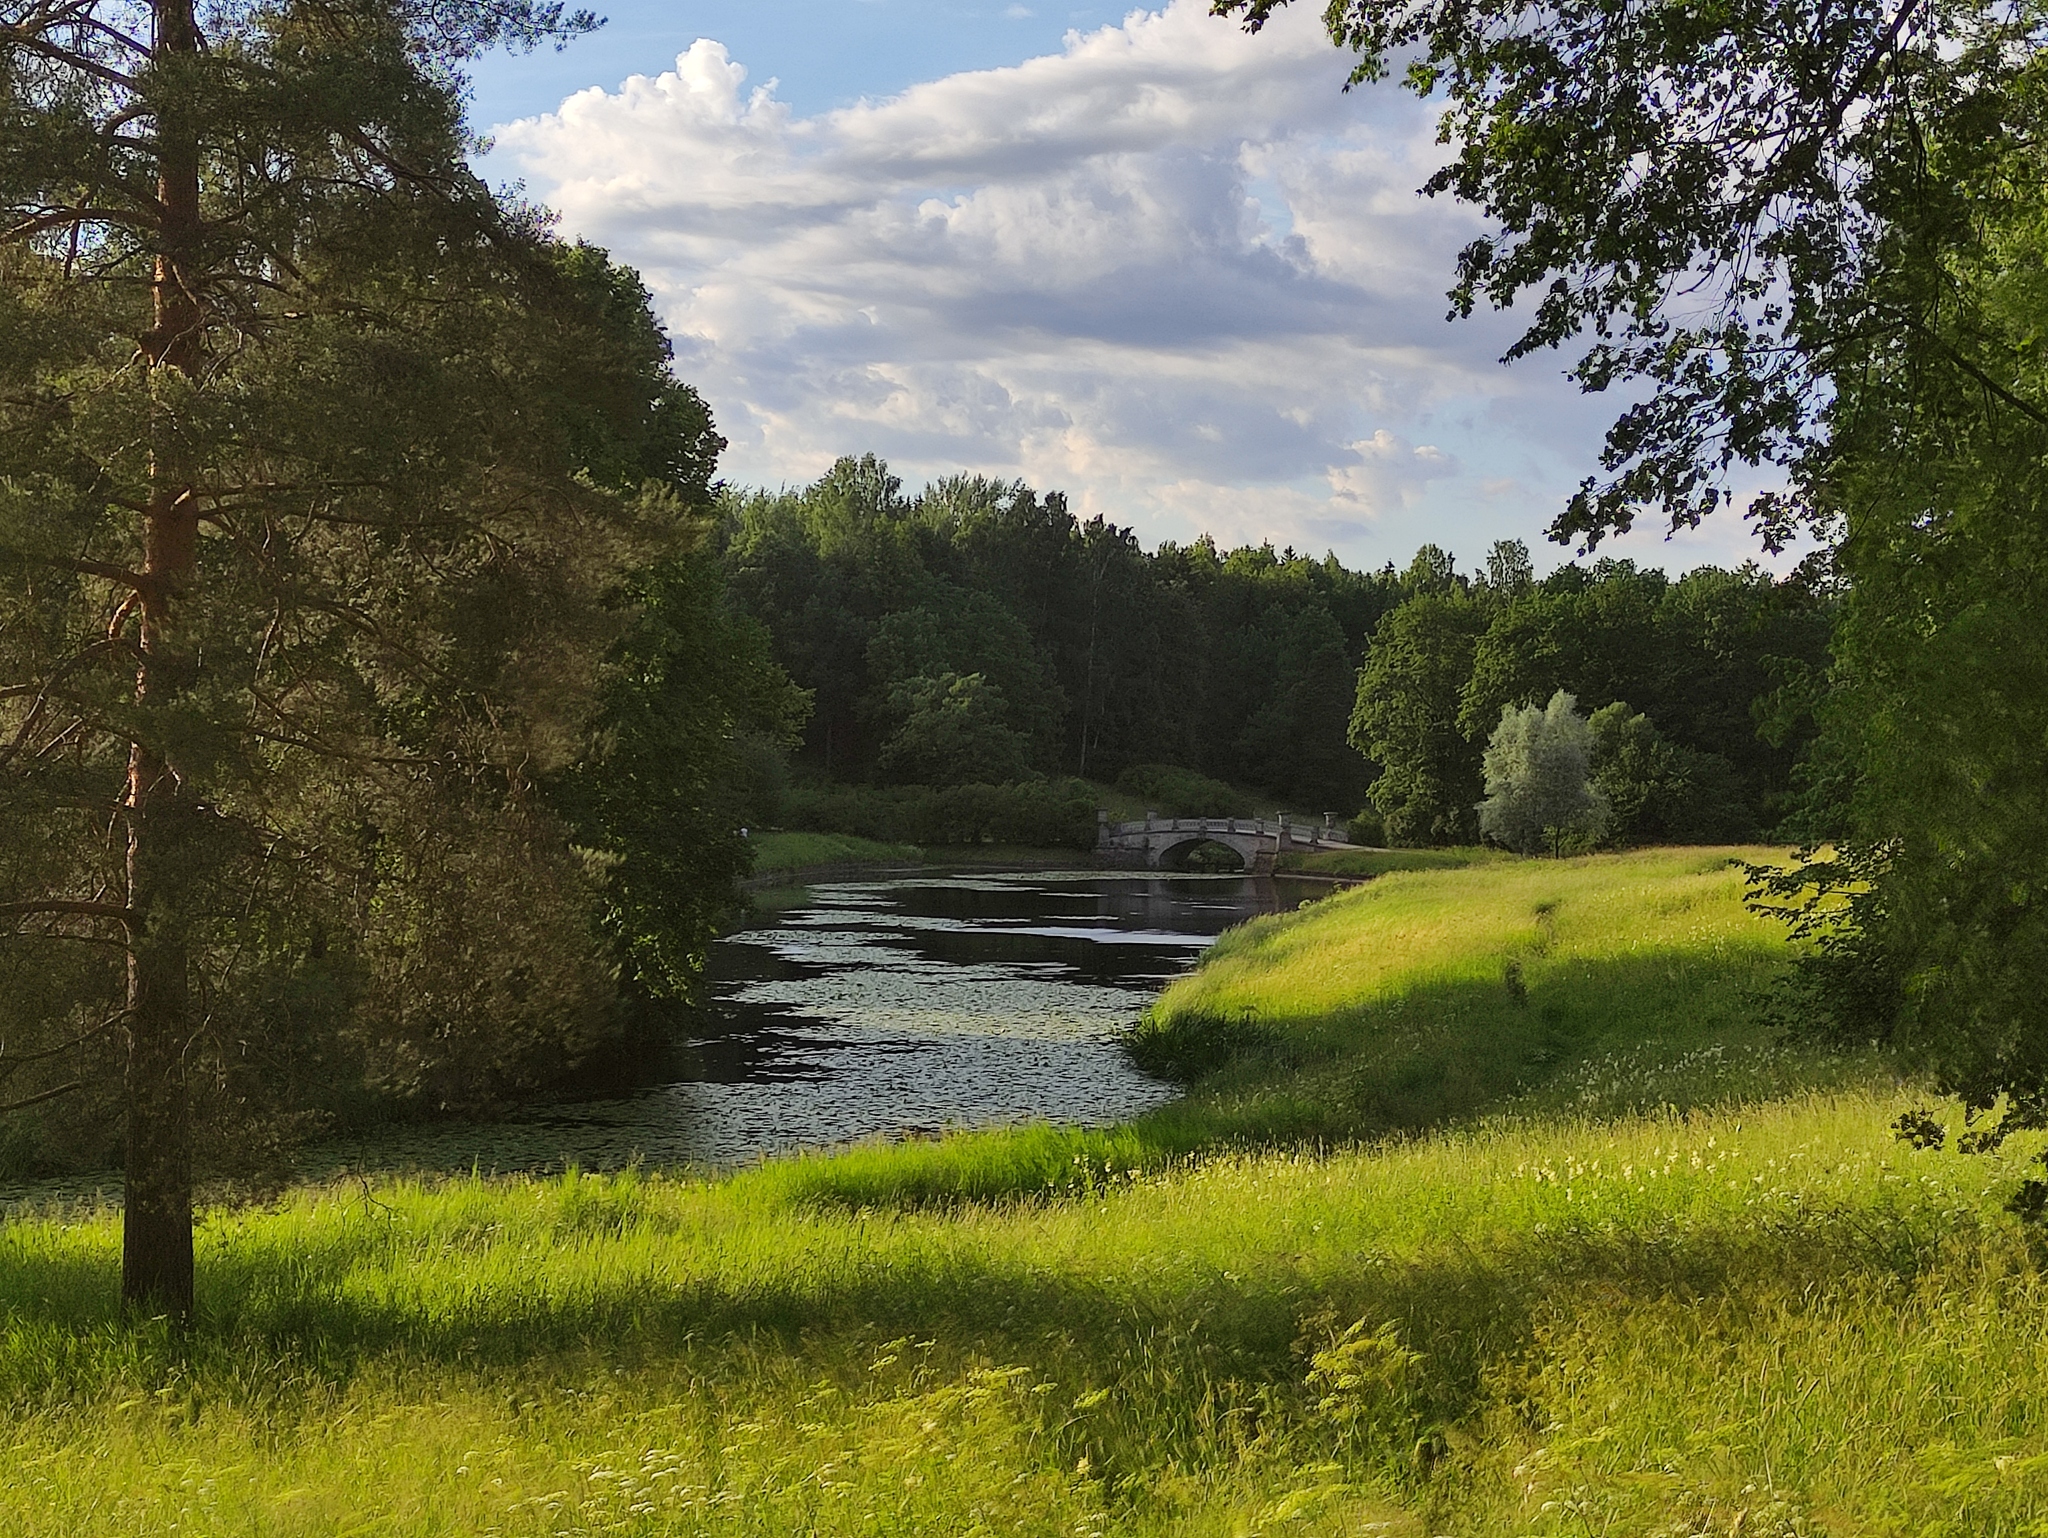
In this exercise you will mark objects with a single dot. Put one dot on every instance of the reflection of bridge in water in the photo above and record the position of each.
(1166, 841)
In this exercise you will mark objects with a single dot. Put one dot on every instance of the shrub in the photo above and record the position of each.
(1367, 829)
(1658, 789)
(952, 732)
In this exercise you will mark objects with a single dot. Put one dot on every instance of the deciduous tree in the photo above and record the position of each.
(1538, 770)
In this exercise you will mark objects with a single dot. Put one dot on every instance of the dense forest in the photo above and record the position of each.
(980, 634)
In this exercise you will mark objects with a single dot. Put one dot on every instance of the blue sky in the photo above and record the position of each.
(823, 53)
(1140, 257)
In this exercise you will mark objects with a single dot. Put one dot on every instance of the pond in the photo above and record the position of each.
(894, 1006)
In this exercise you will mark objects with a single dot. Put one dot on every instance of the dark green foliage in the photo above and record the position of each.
(951, 730)
(956, 633)
(1927, 920)
(1037, 813)
(1660, 792)
(1707, 657)
(1367, 829)
(682, 755)
(1696, 655)
(1406, 719)
(1174, 792)
(980, 632)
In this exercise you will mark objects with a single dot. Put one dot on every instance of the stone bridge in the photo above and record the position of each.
(1162, 842)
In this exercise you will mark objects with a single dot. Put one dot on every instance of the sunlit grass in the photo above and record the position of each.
(1670, 1278)
(1380, 862)
(1424, 996)
(1779, 1309)
(1430, 928)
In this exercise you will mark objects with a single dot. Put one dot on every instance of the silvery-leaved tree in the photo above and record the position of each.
(303, 581)
(1538, 768)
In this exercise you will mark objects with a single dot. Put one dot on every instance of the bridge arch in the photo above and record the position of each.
(1182, 855)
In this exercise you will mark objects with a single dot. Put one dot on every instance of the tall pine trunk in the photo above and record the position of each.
(156, 1252)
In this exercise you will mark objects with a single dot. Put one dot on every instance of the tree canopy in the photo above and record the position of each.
(1539, 790)
(1706, 196)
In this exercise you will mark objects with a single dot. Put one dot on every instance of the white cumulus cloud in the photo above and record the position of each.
(1173, 270)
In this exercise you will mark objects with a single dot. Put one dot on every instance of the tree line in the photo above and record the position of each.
(978, 633)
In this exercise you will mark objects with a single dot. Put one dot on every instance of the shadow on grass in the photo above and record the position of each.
(1174, 1336)
(816, 1259)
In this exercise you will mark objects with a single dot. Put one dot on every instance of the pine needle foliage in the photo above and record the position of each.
(303, 581)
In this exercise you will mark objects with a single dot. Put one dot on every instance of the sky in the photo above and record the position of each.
(1141, 257)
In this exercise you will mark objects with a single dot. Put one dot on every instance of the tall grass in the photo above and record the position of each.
(1367, 863)
(1779, 1310)
(1733, 1309)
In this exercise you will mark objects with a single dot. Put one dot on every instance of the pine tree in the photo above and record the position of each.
(300, 587)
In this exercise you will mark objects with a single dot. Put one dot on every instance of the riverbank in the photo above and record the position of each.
(1656, 1274)
(782, 858)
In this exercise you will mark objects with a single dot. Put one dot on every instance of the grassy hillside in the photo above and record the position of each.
(1736, 1309)
(1381, 862)
(1611, 983)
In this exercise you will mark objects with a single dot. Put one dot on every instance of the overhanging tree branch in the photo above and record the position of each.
(13, 1062)
(34, 42)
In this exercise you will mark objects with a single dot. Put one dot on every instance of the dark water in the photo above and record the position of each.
(889, 1007)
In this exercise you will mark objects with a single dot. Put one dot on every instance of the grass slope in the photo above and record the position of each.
(1728, 1310)
(778, 853)
(1423, 996)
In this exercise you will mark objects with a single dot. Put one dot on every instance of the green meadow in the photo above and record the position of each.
(1489, 1209)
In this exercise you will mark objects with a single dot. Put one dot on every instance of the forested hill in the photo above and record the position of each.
(980, 633)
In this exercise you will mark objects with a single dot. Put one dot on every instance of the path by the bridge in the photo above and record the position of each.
(1158, 842)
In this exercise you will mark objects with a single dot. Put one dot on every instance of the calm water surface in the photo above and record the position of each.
(889, 1007)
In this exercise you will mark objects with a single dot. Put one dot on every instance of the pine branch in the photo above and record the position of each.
(57, 218)
(31, 41)
(48, 1094)
(12, 1061)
